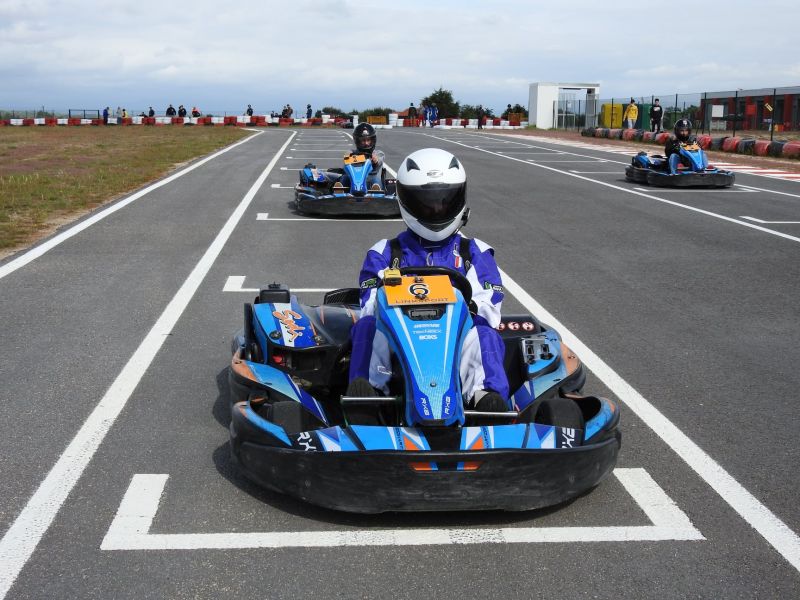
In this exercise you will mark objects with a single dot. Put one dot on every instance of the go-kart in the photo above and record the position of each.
(417, 449)
(693, 170)
(346, 190)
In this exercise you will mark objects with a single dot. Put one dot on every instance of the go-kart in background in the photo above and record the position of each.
(696, 312)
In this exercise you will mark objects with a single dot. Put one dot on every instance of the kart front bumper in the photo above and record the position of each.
(384, 205)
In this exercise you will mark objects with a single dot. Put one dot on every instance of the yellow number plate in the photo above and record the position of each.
(354, 159)
(432, 289)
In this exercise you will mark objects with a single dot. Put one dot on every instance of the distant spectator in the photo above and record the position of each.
(118, 113)
(249, 111)
(124, 113)
(412, 113)
(309, 112)
(181, 111)
(481, 114)
(631, 114)
(506, 115)
(656, 116)
(423, 114)
(289, 111)
(105, 116)
(151, 112)
(433, 115)
(195, 112)
(170, 111)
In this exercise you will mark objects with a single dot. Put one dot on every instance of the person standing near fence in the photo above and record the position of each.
(631, 114)
(105, 116)
(656, 117)
(481, 114)
(433, 114)
(412, 113)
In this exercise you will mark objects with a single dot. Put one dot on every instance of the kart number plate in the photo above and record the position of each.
(432, 289)
(354, 159)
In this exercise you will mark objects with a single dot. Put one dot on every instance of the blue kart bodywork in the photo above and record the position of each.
(354, 189)
(693, 170)
(292, 431)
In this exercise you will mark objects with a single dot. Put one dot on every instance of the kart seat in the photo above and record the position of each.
(343, 296)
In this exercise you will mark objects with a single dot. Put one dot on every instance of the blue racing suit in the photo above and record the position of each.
(482, 354)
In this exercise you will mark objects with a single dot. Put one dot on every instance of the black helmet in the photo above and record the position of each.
(364, 136)
(680, 126)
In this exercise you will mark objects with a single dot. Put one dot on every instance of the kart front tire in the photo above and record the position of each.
(561, 412)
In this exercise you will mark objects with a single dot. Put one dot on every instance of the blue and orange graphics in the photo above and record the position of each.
(278, 382)
(358, 168)
(295, 328)
(429, 351)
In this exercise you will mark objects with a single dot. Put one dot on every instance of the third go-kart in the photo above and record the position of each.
(693, 170)
(417, 449)
(350, 190)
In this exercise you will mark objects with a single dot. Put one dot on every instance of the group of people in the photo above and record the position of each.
(428, 115)
(631, 115)
(181, 112)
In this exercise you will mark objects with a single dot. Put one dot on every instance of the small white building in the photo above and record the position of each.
(543, 99)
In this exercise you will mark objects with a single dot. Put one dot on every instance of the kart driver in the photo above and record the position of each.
(432, 190)
(672, 149)
(365, 137)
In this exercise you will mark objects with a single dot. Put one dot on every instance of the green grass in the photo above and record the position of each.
(52, 174)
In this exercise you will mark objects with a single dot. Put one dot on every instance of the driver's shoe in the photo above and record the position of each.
(361, 388)
(491, 402)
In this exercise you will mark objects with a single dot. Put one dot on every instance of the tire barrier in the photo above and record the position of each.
(716, 143)
(615, 134)
(776, 149)
(588, 131)
(704, 141)
(791, 150)
(629, 134)
(746, 147)
(601, 132)
(761, 148)
(662, 138)
(648, 136)
(730, 144)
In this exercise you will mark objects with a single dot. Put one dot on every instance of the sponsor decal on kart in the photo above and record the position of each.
(488, 285)
(287, 321)
(369, 283)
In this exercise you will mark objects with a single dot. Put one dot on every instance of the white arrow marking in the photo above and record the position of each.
(130, 529)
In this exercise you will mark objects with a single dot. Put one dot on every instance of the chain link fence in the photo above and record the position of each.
(758, 113)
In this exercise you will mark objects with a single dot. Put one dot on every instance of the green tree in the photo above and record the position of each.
(378, 111)
(333, 111)
(517, 108)
(443, 99)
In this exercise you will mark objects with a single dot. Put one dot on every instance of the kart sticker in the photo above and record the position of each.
(488, 285)
(287, 320)
(369, 283)
(432, 289)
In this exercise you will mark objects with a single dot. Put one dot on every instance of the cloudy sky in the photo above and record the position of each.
(136, 53)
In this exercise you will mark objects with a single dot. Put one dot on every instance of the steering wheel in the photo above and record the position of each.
(458, 280)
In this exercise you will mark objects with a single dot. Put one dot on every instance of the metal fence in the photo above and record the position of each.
(756, 112)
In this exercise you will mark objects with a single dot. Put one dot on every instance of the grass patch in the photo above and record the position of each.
(48, 174)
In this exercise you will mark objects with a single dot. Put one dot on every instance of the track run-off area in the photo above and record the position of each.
(117, 478)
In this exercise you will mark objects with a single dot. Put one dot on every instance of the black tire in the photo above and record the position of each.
(252, 351)
(561, 412)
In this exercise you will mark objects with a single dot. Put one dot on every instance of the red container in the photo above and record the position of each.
(27, 122)
(73, 121)
(177, 120)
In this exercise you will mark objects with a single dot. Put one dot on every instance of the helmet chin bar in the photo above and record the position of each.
(435, 236)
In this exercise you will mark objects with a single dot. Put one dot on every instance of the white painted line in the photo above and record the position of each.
(331, 220)
(286, 169)
(750, 187)
(42, 248)
(27, 530)
(695, 191)
(596, 172)
(130, 529)
(763, 520)
(235, 283)
(276, 186)
(318, 150)
(262, 216)
(635, 192)
(771, 222)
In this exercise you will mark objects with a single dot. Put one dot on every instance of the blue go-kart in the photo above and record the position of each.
(353, 189)
(693, 170)
(417, 449)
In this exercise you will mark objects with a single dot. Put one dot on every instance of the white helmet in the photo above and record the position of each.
(432, 190)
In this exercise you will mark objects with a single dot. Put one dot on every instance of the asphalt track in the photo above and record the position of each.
(115, 343)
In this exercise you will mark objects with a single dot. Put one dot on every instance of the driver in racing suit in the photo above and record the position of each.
(364, 137)
(672, 149)
(431, 187)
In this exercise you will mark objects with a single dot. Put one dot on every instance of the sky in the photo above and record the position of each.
(349, 54)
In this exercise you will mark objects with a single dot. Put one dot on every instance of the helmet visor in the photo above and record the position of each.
(365, 142)
(433, 204)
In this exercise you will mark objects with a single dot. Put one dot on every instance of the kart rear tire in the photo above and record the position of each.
(561, 412)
